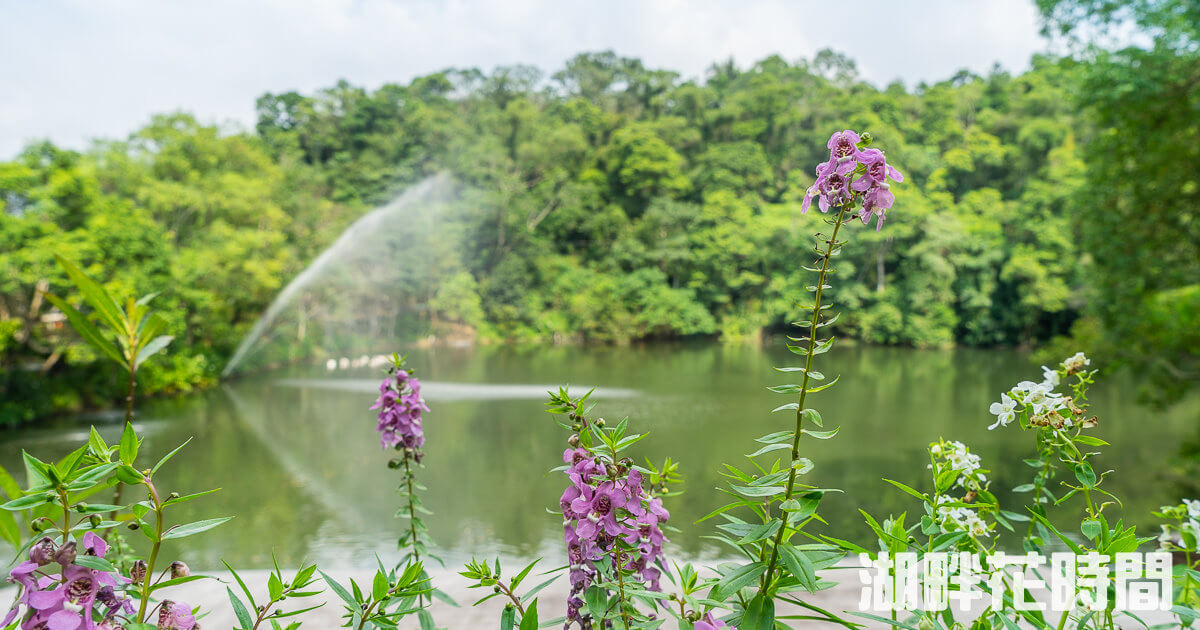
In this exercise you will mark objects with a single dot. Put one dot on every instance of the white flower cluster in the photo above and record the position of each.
(963, 518)
(960, 459)
(1075, 363)
(968, 464)
(1190, 525)
(1039, 399)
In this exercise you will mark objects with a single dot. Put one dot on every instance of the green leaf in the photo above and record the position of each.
(759, 614)
(95, 295)
(152, 348)
(537, 589)
(339, 590)
(530, 620)
(274, 587)
(516, 581)
(762, 532)
(86, 330)
(379, 586)
(1085, 475)
(27, 502)
(508, 618)
(1090, 528)
(799, 566)
(597, 604)
(168, 456)
(757, 491)
(10, 532)
(97, 564)
(821, 435)
(426, 619)
(191, 529)
(770, 447)
(239, 609)
(907, 489)
(736, 580)
(128, 449)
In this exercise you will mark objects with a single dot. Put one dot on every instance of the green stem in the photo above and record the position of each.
(621, 590)
(66, 506)
(512, 596)
(158, 532)
(831, 245)
(412, 513)
(129, 396)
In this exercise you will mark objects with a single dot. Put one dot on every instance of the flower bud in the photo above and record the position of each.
(137, 572)
(65, 554)
(133, 525)
(95, 520)
(40, 524)
(496, 588)
(81, 507)
(600, 422)
(573, 440)
(179, 570)
(42, 552)
(173, 495)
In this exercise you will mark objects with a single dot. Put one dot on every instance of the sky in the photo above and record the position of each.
(76, 70)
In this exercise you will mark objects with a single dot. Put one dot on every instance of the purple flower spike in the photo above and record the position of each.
(602, 507)
(840, 182)
(400, 406)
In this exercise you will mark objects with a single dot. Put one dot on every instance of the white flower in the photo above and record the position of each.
(1165, 538)
(1193, 507)
(1003, 410)
(975, 525)
(1076, 362)
(1049, 378)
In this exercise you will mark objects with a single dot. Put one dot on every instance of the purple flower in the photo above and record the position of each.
(710, 623)
(400, 406)
(94, 545)
(603, 507)
(175, 616)
(69, 602)
(837, 185)
(42, 552)
(843, 147)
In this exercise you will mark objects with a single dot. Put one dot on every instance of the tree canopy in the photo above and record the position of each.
(618, 202)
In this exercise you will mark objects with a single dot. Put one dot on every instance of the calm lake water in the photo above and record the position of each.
(299, 464)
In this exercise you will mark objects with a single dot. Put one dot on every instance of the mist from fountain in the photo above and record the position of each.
(387, 262)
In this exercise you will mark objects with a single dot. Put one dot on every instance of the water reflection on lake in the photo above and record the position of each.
(299, 465)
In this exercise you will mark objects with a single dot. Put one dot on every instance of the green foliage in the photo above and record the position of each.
(1137, 209)
(626, 204)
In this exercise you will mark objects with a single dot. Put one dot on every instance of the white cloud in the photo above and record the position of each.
(72, 70)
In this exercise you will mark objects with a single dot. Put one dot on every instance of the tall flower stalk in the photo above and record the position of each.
(853, 182)
(400, 428)
(613, 519)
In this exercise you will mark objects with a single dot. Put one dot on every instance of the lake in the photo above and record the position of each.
(298, 461)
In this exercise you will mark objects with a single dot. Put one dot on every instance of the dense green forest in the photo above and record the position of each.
(624, 203)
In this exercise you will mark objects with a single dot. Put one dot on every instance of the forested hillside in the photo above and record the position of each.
(618, 203)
